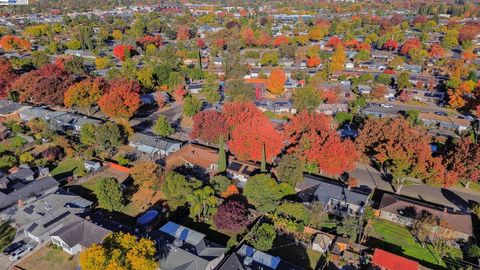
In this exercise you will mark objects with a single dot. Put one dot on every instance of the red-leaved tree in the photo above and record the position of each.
(7, 76)
(121, 100)
(464, 159)
(121, 51)
(209, 126)
(232, 216)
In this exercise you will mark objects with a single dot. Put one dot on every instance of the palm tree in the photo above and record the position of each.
(201, 200)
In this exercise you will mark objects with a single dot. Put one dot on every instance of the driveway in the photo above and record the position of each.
(5, 262)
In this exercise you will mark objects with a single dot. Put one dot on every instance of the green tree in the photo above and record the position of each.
(262, 237)
(191, 106)
(109, 194)
(294, 210)
(145, 77)
(403, 80)
(210, 89)
(87, 134)
(237, 90)
(222, 157)
(176, 188)
(108, 136)
(384, 79)
(162, 127)
(26, 158)
(348, 227)
(450, 39)
(306, 98)
(263, 166)
(265, 193)
(201, 202)
(269, 59)
(220, 183)
(290, 169)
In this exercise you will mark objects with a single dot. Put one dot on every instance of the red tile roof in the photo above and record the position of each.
(388, 261)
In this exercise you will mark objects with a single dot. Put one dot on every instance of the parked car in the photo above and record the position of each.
(386, 106)
(19, 253)
(441, 113)
(12, 247)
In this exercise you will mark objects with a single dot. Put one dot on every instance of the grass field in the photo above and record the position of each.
(398, 239)
(50, 258)
(7, 233)
(67, 168)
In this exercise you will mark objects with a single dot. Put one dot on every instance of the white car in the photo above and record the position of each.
(386, 105)
(19, 253)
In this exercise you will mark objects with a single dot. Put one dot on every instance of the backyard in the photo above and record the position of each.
(398, 239)
(295, 253)
(67, 168)
(50, 257)
(7, 233)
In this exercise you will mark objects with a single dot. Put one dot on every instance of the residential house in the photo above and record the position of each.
(337, 198)
(322, 242)
(332, 109)
(193, 156)
(22, 186)
(380, 112)
(349, 65)
(445, 122)
(246, 257)
(403, 210)
(184, 248)
(78, 234)
(195, 87)
(241, 170)
(383, 260)
(9, 110)
(276, 106)
(364, 89)
(154, 145)
(92, 165)
(41, 218)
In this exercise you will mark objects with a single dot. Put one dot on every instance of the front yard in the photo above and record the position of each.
(7, 233)
(51, 258)
(398, 239)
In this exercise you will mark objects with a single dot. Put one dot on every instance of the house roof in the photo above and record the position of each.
(318, 188)
(456, 221)
(195, 154)
(391, 261)
(81, 231)
(242, 167)
(23, 191)
(182, 233)
(444, 119)
(153, 141)
(8, 107)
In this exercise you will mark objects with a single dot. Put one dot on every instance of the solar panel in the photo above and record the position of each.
(60, 217)
(28, 209)
(32, 227)
(234, 166)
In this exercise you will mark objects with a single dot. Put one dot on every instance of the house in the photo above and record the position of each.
(336, 198)
(241, 170)
(380, 112)
(154, 145)
(383, 260)
(445, 122)
(276, 106)
(9, 110)
(21, 186)
(349, 65)
(195, 88)
(78, 234)
(41, 218)
(246, 257)
(155, 98)
(322, 242)
(364, 89)
(184, 248)
(404, 210)
(193, 156)
(332, 109)
(92, 165)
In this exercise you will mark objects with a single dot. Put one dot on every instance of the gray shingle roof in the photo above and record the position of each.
(81, 231)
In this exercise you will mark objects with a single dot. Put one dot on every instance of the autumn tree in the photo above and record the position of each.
(46, 85)
(7, 76)
(312, 138)
(183, 33)
(463, 158)
(121, 100)
(276, 82)
(379, 91)
(85, 94)
(306, 98)
(145, 173)
(390, 45)
(338, 59)
(123, 52)
(436, 51)
(13, 43)
(209, 126)
(120, 251)
(280, 40)
(231, 216)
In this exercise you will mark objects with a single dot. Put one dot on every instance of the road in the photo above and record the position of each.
(144, 124)
(451, 197)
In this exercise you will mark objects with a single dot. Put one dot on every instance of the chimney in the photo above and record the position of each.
(445, 210)
(20, 203)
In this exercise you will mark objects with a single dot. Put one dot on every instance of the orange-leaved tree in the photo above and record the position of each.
(121, 100)
(276, 81)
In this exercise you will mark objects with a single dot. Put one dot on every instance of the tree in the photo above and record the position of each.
(463, 158)
(237, 90)
(183, 33)
(209, 126)
(390, 45)
(436, 51)
(145, 173)
(262, 237)
(162, 127)
(450, 39)
(120, 251)
(222, 157)
(316, 33)
(108, 136)
(295, 211)
(201, 201)
(14, 43)
(348, 227)
(46, 85)
(26, 158)
(276, 82)
(379, 91)
(403, 80)
(121, 100)
(230, 191)
(87, 134)
(231, 216)
(101, 63)
(220, 183)
(123, 52)
(290, 169)
(338, 59)
(176, 188)
(269, 59)
(109, 194)
(210, 89)
(191, 106)
(84, 94)
(265, 193)
(312, 139)
(306, 98)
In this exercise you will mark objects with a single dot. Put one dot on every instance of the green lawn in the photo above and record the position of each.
(295, 253)
(398, 239)
(67, 168)
(7, 233)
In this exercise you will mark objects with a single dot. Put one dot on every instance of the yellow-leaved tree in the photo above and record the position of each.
(338, 58)
(276, 81)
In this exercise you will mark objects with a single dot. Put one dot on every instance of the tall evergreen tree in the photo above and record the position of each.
(263, 166)
(222, 157)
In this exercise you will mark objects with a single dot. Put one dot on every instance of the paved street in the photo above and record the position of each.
(452, 197)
